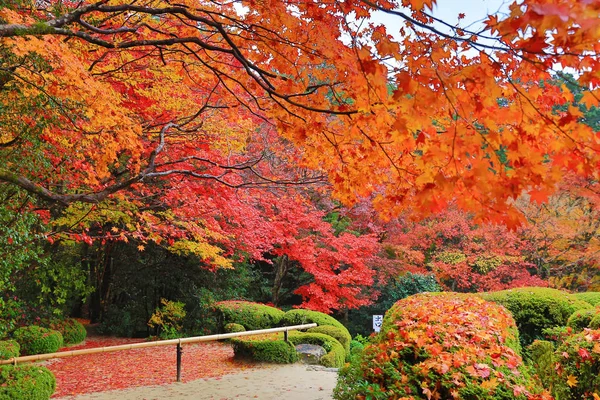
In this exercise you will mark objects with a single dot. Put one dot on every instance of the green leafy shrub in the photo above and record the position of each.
(572, 371)
(591, 297)
(233, 327)
(9, 349)
(356, 347)
(26, 382)
(336, 354)
(252, 316)
(265, 348)
(542, 359)
(299, 317)
(335, 333)
(536, 308)
(168, 319)
(581, 319)
(73, 331)
(37, 340)
(440, 345)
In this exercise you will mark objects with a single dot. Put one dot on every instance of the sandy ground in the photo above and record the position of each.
(274, 382)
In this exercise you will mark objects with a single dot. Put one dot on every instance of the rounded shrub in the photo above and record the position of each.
(335, 333)
(336, 354)
(591, 297)
(299, 317)
(265, 348)
(251, 315)
(26, 382)
(581, 319)
(535, 309)
(9, 349)
(37, 340)
(233, 327)
(73, 331)
(440, 345)
(595, 322)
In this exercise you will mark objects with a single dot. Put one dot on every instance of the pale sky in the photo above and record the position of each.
(475, 11)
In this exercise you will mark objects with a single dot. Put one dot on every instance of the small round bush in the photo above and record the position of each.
(73, 331)
(591, 297)
(252, 316)
(595, 321)
(265, 348)
(37, 340)
(336, 354)
(440, 345)
(535, 309)
(335, 333)
(26, 382)
(233, 327)
(581, 319)
(300, 317)
(9, 349)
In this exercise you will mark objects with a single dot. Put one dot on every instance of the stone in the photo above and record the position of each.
(310, 353)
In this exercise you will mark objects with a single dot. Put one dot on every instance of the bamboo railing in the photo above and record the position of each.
(132, 346)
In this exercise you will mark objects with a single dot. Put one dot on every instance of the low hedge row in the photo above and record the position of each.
(336, 354)
(265, 348)
(591, 297)
(73, 331)
(37, 340)
(535, 309)
(299, 317)
(26, 382)
(9, 349)
(335, 333)
(440, 345)
(252, 316)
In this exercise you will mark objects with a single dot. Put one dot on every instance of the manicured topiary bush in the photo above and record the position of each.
(233, 327)
(535, 309)
(299, 317)
(336, 355)
(26, 382)
(581, 319)
(9, 349)
(73, 331)
(38, 340)
(444, 345)
(266, 348)
(335, 333)
(591, 297)
(252, 316)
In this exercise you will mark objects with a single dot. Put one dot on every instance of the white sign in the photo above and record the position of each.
(377, 322)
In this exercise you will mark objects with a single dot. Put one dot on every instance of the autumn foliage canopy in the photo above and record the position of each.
(198, 124)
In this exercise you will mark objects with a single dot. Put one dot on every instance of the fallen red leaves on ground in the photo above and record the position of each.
(140, 367)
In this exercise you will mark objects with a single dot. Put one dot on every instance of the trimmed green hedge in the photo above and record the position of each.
(336, 355)
(265, 348)
(73, 331)
(536, 308)
(26, 382)
(591, 297)
(252, 316)
(440, 345)
(9, 349)
(581, 319)
(37, 340)
(233, 327)
(335, 333)
(299, 317)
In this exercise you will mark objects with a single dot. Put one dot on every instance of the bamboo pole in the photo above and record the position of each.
(132, 346)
